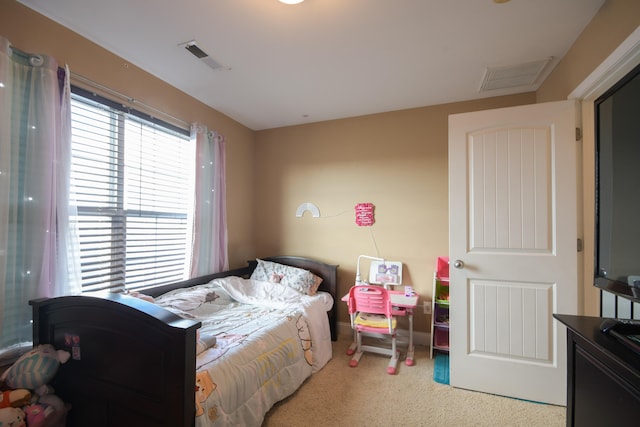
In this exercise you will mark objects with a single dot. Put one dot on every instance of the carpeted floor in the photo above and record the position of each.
(366, 396)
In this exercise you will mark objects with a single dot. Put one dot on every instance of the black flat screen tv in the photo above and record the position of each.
(617, 242)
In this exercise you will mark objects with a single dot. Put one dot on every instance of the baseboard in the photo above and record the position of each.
(419, 338)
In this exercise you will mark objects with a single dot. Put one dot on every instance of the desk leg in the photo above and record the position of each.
(409, 360)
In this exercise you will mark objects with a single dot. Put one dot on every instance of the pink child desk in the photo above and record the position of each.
(403, 306)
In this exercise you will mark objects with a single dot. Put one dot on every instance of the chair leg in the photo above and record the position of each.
(358, 350)
(355, 359)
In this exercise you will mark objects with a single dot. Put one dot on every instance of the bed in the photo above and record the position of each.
(136, 362)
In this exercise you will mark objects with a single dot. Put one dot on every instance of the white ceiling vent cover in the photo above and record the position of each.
(513, 75)
(195, 50)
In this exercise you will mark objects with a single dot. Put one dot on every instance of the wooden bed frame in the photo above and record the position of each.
(133, 363)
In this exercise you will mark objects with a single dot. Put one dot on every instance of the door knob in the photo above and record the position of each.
(458, 263)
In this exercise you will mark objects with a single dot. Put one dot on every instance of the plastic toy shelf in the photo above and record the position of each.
(440, 307)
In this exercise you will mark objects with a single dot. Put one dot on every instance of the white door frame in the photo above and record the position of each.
(622, 60)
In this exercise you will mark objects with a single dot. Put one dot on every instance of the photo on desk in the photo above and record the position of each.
(385, 272)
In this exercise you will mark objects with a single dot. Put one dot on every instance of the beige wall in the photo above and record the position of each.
(31, 32)
(396, 160)
(613, 23)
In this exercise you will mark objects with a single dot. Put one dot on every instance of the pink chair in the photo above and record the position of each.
(371, 312)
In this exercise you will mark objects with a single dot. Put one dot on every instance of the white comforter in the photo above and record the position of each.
(268, 339)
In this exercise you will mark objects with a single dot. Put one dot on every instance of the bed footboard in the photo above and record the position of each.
(132, 362)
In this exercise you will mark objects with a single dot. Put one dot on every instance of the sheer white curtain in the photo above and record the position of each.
(209, 248)
(36, 255)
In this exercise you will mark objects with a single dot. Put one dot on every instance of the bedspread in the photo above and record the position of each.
(268, 340)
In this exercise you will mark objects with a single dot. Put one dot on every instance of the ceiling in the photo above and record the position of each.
(284, 65)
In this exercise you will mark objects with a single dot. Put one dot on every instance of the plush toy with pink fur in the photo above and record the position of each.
(37, 414)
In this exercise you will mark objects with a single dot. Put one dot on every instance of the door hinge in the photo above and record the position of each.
(578, 134)
(580, 245)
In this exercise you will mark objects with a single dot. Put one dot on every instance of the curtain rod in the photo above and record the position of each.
(95, 85)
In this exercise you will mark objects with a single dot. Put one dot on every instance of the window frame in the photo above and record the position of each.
(119, 262)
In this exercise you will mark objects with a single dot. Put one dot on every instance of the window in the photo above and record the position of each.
(132, 185)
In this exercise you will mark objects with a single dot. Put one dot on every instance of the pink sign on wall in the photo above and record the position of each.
(364, 214)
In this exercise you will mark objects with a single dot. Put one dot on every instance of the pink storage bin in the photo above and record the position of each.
(442, 267)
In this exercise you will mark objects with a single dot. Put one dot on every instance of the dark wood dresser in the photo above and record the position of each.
(603, 376)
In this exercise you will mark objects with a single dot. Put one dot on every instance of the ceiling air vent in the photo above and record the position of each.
(511, 76)
(195, 50)
(192, 46)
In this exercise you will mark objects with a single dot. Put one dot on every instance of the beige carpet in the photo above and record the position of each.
(366, 396)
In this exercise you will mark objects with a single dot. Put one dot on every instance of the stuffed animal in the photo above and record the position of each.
(36, 414)
(52, 401)
(12, 417)
(35, 368)
(43, 408)
(14, 398)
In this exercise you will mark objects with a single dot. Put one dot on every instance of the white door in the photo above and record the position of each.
(513, 248)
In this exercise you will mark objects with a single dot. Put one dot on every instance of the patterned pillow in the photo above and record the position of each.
(299, 279)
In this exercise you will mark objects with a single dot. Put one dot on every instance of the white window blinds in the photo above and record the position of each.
(132, 181)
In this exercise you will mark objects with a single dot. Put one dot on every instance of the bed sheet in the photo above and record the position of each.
(268, 340)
